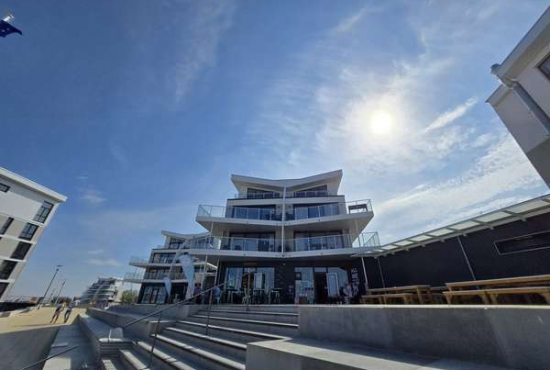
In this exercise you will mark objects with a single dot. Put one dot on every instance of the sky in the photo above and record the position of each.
(140, 111)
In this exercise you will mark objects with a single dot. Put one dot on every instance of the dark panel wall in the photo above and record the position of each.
(435, 264)
(488, 264)
(442, 262)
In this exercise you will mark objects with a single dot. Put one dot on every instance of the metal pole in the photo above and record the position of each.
(365, 273)
(210, 303)
(49, 285)
(60, 289)
(466, 258)
(283, 219)
(381, 274)
(154, 340)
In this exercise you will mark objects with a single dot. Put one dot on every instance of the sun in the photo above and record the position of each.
(381, 122)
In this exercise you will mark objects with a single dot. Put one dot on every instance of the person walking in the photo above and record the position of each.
(56, 314)
(348, 293)
(68, 312)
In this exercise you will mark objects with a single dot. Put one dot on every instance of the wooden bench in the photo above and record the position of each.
(467, 293)
(371, 298)
(420, 292)
(543, 291)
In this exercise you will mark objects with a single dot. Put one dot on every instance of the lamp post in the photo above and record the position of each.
(57, 267)
(60, 289)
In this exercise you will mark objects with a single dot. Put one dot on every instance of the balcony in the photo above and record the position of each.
(331, 209)
(332, 242)
(245, 213)
(158, 276)
(370, 240)
(156, 260)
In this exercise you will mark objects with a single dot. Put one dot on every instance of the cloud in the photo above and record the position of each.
(452, 115)
(349, 22)
(118, 154)
(110, 262)
(92, 196)
(96, 251)
(82, 178)
(200, 39)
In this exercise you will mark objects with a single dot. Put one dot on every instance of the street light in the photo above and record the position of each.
(57, 267)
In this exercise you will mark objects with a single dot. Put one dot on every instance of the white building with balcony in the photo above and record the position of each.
(522, 101)
(287, 241)
(163, 262)
(26, 209)
(104, 291)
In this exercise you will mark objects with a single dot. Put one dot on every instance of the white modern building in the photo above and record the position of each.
(522, 101)
(26, 209)
(286, 241)
(163, 262)
(105, 290)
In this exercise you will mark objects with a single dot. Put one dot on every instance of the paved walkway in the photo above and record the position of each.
(27, 337)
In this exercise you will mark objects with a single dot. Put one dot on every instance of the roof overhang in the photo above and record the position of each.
(334, 177)
(23, 181)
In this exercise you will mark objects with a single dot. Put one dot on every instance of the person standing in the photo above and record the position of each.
(56, 313)
(68, 312)
(348, 293)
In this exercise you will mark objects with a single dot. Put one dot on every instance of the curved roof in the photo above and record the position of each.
(333, 178)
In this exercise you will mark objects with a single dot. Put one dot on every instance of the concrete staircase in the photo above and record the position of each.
(187, 346)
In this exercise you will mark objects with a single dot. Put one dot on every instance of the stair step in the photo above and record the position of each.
(133, 360)
(112, 364)
(168, 359)
(253, 312)
(255, 335)
(248, 321)
(203, 354)
(209, 338)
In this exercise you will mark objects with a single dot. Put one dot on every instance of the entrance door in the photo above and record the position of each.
(321, 288)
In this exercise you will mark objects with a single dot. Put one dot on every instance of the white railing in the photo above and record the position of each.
(152, 276)
(160, 260)
(277, 195)
(248, 213)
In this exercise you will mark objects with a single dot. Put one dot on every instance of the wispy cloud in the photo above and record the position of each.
(200, 39)
(349, 22)
(452, 115)
(95, 252)
(92, 196)
(110, 262)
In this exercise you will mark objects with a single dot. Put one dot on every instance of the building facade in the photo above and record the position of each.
(103, 292)
(286, 241)
(26, 209)
(163, 262)
(522, 101)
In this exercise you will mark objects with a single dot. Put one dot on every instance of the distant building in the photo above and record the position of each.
(103, 291)
(523, 99)
(163, 262)
(26, 209)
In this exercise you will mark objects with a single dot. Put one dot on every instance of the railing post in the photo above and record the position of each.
(208, 312)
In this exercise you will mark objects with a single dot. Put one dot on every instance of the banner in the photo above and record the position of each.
(188, 268)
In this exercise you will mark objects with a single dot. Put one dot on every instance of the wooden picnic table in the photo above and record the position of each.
(420, 290)
(503, 282)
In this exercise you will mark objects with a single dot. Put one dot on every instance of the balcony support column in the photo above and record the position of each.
(283, 219)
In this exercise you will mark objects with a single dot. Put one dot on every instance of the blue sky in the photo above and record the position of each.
(140, 111)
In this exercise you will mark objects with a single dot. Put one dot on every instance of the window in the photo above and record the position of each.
(28, 231)
(6, 268)
(3, 287)
(525, 243)
(545, 67)
(6, 225)
(21, 251)
(175, 243)
(43, 212)
(4, 187)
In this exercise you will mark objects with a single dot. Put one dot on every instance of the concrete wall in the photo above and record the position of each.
(510, 336)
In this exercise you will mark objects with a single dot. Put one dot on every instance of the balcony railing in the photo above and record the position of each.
(276, 195)
(267, 214)
(152, 276)
(332, 242)
(291, 245)
(165, 260)
(298, 212)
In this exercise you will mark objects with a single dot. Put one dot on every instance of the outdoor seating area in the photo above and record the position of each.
(516, 290)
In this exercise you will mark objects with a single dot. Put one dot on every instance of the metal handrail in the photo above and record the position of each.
(47, 358)
(190, 299)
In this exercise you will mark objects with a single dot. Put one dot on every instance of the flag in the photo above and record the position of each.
(188, 268)
(6, 29)
(167, 285)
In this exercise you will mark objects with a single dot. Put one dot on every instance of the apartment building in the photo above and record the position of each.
(104, 291)
(286, 241)
(26, 209)
(522, 101)
(163, 262)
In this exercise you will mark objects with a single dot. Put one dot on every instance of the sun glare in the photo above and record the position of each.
(381, 123)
